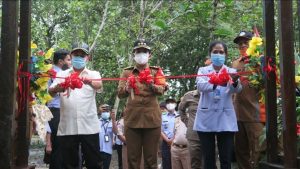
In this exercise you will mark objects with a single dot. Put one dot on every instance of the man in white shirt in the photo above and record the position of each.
(78, 112)
(62, 61)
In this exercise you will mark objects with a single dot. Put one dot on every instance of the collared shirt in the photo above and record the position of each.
(215, 111)
(55, 102)
(78, 111)
(143, 110)
(106, 130)
(180, 132)
(168, 124)
(187, 109)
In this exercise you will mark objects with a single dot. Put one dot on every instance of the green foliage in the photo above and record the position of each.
(180, 32)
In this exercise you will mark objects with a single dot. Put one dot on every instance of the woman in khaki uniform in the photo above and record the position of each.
(142, 118)
(246, 104)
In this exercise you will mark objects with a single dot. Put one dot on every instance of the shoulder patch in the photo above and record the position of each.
(129, 68)
(154, 67)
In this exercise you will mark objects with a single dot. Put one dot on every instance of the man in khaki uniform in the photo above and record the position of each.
(187, 110)
(180, 155)
(247, 108)
(142, 114)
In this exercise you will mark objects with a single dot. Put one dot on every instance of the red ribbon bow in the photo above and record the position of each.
(73, 82)
(145, 76)
(220, 78)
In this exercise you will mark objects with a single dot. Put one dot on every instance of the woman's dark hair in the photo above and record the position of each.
(214, 43)
(60, 54)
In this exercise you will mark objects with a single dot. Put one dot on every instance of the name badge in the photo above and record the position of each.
(217, 94)
(106, 138)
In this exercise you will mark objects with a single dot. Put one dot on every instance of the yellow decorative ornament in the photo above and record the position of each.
(49, 53)
(47, 98)
(255, 41)
(297, 79)
(33, 45)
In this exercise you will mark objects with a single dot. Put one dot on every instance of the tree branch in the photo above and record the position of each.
(153, 10)
(142, 23)
(144, 19)
(213, 19)
(104, 16)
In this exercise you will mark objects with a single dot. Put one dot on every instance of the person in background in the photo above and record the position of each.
(247, 107)
(107, 129)
(215, 116)
(167, 132)
(118, 143)
(180, 156)
(187, 110)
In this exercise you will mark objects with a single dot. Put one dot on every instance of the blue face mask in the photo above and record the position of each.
(217, 59)
(78, 62)
(105, 115)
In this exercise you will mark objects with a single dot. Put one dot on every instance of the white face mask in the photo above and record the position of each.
(141, 58)
(171, 106)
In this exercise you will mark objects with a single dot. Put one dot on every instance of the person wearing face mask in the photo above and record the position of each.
(107, 129)
(167, 132)
(187, 110)
(61, 61)
(142, 118)
(246, 104)
(215, 117)
(78, 123)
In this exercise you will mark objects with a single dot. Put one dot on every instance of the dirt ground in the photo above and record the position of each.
(36, 155)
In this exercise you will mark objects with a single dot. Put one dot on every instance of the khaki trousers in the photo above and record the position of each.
(247, 148)
(180, 158)
(195, 154)
(142, 141)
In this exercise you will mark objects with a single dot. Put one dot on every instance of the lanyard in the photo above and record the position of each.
(105, 127)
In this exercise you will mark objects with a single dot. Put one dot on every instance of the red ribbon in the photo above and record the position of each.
(268, 68)
(23, 81)
(73, 82)
(298, 129)
(145, 76)
(132, 83)
(220, 78)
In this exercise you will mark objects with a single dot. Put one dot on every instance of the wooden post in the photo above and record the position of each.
(270, 84)
(23, 129)
(287, 72)
(298, 12)
(7, 79)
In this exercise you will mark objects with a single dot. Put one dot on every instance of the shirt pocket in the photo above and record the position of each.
(165, 125)
(229, 112)
(86, 91)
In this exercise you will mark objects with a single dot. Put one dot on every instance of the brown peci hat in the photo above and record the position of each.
(141, 43)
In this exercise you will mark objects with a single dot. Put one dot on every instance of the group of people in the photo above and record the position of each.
(184, 131)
